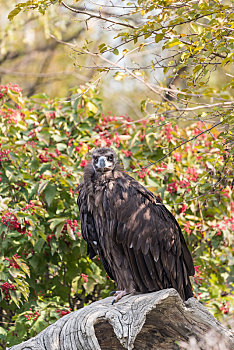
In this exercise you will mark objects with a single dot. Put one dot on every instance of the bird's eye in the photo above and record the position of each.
(95, 159)
(110, 158)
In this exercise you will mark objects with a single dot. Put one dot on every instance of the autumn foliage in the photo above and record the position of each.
(45, 144)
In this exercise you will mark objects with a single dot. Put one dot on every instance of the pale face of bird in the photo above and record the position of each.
(103, 159)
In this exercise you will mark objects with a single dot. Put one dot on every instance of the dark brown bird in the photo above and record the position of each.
(138, 240)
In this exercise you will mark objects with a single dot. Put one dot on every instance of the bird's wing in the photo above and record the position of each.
(150, 236)
(89, 232)
(87, 222)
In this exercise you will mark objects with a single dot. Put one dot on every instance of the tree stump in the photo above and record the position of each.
(157, 320)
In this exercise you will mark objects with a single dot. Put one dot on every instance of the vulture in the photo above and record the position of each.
(138, 240)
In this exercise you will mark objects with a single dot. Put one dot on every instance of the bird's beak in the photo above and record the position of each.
(102, 163)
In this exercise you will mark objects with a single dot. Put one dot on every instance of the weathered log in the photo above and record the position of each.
(145, 321)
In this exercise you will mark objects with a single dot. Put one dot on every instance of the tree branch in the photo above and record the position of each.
(202, 106)
(42, 75)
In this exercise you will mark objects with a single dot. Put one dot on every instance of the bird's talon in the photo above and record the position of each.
(118, 295)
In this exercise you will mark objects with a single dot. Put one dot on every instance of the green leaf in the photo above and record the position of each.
(54, 247)
(228, 59)
(174, 42)
(71, 233)
(13, 13)
(39, 245)
(61, 146)
(34, 190)
(158, 37)
(23, 266)
(59, 230)
(55, 222)
(40, 324)
(102, 47)
(14, 297)
(50, 193)
(3, 333)
(44, 137)
(197, 68)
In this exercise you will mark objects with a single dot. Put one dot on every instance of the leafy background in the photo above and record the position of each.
(44, 271)
(165, 71)
(150, 46)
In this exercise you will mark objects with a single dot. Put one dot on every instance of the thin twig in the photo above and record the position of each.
(187, 109)
(186, 141)
(211, 191)
(156, 91)
(91, 15)
(41, 75)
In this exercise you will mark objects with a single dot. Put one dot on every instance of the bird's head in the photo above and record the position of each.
(104, 159)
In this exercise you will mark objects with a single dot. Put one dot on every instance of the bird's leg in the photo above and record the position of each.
(118, 295)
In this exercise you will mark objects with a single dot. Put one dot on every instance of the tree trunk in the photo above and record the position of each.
(156, 320)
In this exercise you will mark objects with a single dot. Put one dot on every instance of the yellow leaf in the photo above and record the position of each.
(125, 52)
(92, 107)
(71, 233)
(124, 137)
(136, 72)
(119, 76)
(84, 149)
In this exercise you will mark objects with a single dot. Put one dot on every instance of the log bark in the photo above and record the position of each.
(157, 320)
